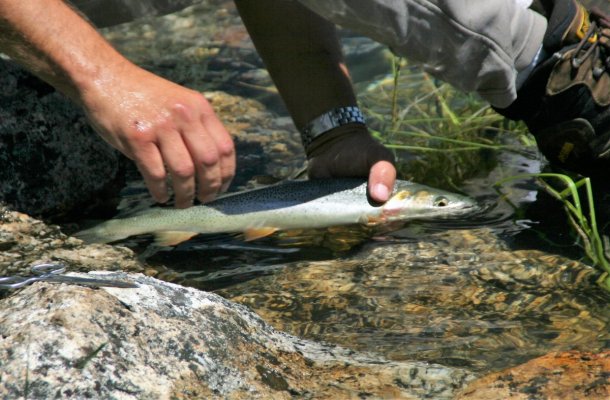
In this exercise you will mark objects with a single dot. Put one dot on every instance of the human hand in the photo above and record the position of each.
(159, 125)
(350, 151)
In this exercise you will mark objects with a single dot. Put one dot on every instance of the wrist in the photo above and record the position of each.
(99, 78)
(329, 123)
(329, 138)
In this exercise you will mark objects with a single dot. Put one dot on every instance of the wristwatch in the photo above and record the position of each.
(330, 120)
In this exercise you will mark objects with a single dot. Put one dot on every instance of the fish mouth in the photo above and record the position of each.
(450, 211)
(455, 211)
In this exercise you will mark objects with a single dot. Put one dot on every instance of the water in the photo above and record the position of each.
(486, 293)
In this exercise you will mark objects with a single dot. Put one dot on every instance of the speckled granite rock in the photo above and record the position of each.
(163, 341)
(51, 161)
(26, 241)
(560, 375)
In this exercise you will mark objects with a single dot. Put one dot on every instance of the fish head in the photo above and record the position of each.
(414, 201)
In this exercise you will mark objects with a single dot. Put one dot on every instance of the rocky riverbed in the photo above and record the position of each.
(162, 340)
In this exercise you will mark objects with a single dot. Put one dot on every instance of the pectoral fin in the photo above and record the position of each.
(172, 238)
(372, 220)
(257, 233)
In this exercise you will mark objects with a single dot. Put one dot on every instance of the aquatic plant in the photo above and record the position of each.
(439, 135)
(592, 242)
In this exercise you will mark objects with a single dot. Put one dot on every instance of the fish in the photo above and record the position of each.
(289, 205)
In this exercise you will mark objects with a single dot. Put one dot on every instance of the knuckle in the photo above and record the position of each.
(139, 134)
(190, 105)
(158, 175)
(210, 157)
(148, 131)
(227, 178)
(214, 185)
(183, 170)
(226, 147)
(153, 173)
(183, 111)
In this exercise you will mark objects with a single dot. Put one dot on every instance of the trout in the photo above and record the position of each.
(290, 205)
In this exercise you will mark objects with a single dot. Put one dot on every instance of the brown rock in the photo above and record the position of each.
(558, 375)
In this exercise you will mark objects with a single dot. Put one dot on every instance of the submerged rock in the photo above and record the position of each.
(560, 375)
(458, 297)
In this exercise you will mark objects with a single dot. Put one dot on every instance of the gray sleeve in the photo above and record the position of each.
(475, 45)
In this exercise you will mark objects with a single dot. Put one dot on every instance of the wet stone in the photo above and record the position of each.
(559, 375)
(458, 298)
(51, 161)
(28, 241)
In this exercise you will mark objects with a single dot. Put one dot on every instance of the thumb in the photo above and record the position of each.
(381, 181)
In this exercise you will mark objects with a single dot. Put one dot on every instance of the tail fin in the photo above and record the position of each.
(99, 234)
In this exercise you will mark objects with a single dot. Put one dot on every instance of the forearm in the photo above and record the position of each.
(301, 51)
(160, 125)
(52, 41)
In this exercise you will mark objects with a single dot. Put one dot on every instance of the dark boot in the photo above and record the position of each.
(565, 102)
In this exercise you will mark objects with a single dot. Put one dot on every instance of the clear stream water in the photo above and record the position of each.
(485, 293)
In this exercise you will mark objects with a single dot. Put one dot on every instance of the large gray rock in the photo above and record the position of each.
(51, 161)
(163, 341)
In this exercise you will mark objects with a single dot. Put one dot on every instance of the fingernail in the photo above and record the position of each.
(225, 187)
(207, 198)
(184, 204)
(161, 199)
(381, 192)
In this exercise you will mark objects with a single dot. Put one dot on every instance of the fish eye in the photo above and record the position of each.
(441, 201)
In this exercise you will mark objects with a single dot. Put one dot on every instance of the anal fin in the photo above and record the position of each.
(257, 233)
(172, 238)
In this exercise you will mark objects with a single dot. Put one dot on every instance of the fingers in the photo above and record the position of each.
(166, 129)
(199, 155)
(212, 151)
(181, 167)
(225, 155)
(194, 159)
(150, 164)
(382, 173)
(381, 181)
(357, 154)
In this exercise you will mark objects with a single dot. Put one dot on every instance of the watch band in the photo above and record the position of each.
(330, 120)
